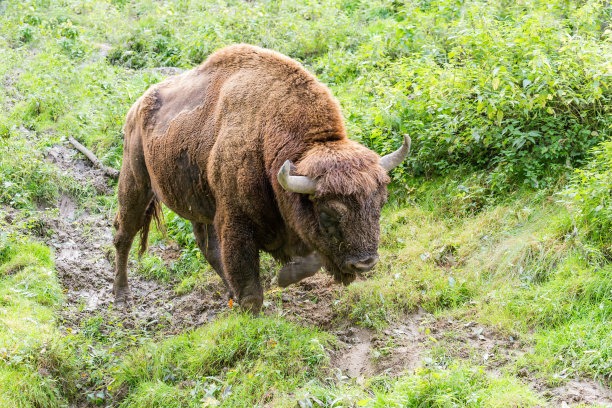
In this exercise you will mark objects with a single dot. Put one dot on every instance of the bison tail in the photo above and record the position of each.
(153, 212)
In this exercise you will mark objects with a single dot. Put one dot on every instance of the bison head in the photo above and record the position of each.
(342, 198)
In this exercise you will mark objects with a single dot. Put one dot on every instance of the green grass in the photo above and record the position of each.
(35, 369)
(237, 360)
(458, 386)
(514, 267)
(434, 69)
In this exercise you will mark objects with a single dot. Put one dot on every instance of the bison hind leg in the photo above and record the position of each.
(136, 210)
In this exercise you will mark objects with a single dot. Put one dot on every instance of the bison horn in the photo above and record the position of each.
(296, 184)
(392, 160)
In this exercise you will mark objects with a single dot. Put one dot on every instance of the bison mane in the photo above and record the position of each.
(343, 167)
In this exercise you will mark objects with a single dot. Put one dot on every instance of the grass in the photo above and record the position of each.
(237, 360)
(510, 268)
(241, 361)
(458, 386)
(35, 370)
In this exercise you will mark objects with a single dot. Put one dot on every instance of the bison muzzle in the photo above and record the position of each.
(252, 149)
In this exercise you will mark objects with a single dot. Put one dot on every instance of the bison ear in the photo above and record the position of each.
(295, 184)
(392, 160)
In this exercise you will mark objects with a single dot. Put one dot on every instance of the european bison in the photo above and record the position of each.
(217, 145)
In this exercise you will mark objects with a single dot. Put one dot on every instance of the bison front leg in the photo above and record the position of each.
(298, 269)
(209, 245)
(240, 259)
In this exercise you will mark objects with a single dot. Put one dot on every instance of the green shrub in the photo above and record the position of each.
(589, 196)
(525, 103)
(24, 176)
(519, 92)
(139, 52)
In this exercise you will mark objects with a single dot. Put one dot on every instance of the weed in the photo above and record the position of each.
(588, 197)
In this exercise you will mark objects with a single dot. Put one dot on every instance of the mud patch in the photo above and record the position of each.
(83, 262)
(309, 301)
(168, 253)
(486, 347)
(393, 352)
(67, 207)
(84, 256)
(481, 345)
(400, 348)
(353, 359)
(581, 391)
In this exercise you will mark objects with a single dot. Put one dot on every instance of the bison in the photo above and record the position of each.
(253, 150)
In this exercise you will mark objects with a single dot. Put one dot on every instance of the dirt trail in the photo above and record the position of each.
(397, 350)
(581, 391)
(84, 253)
(354, 358)
(486, 347)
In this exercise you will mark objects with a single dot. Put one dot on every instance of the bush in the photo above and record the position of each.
(25, 177)
(589, 196)
(526, 103)
(139, 52)
(520, 92)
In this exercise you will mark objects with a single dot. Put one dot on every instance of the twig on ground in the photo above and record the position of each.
(109, 171)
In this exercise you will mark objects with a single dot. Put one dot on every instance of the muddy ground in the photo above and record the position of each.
(82, 240)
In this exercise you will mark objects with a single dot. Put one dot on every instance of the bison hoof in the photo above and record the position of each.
(122, 298)
(293, 272)
(251, 304)
(285, 277)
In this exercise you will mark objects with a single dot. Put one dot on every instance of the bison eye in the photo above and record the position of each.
(327, 219)
(329, 223)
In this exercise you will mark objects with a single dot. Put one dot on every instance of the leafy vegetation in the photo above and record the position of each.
(522, 91)
(588, 195)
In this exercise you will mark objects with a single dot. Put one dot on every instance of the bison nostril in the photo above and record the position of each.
(363, 265)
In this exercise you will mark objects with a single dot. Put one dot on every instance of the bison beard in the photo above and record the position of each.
(252, 150)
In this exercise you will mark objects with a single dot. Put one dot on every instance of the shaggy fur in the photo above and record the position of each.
(209, 143)
(343, 167)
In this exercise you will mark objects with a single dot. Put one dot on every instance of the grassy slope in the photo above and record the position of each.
(516, 266)
(34, 366)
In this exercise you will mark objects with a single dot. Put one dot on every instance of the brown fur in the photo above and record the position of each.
(209, 143)
(343, 167)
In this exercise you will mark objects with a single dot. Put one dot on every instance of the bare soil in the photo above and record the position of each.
(84, 257)
(581, 391)
(397, 350)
